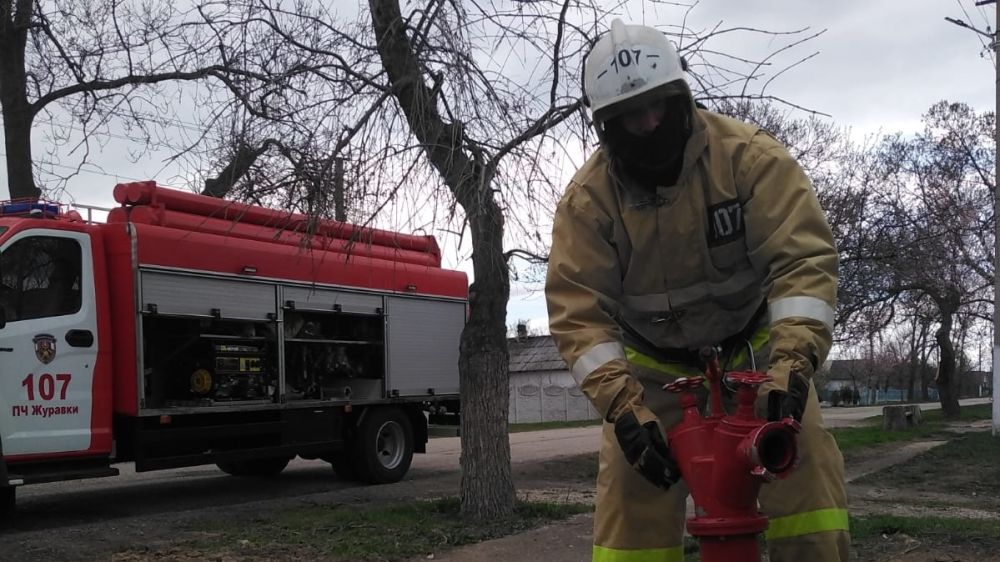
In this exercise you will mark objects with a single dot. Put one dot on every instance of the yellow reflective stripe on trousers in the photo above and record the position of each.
(671, 554)
(833, 519)
(643, 360)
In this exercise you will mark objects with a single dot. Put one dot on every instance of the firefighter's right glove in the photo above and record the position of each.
(645, 446)
(789, 403)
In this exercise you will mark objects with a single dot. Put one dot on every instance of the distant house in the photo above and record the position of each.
(541, 386)
(976, 384)
(842, 378)
(864, 382)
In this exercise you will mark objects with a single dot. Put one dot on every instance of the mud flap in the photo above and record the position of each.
(3, 468)
(8, 493)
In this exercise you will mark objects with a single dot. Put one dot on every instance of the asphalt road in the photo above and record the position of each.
(840, 417)
(136, 494)
(132, 494)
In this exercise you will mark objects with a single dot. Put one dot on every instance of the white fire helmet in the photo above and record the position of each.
(624, 64)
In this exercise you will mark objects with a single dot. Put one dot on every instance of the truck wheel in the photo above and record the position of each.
(383, 447)
(262, 468)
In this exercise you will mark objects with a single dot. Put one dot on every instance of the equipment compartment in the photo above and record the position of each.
(191, 362)
(416, 326)
(333, 355)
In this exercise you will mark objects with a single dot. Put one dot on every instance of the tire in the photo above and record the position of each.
(260, 468)
(383, 447)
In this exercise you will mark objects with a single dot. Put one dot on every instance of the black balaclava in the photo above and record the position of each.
(655, 159)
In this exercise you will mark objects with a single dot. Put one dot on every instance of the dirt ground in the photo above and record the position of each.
(944, 497)
(153, 519)
(885, 481)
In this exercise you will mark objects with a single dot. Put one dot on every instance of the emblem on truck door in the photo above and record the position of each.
(45, 348)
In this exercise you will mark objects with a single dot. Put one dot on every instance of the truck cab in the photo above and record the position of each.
(51, 358)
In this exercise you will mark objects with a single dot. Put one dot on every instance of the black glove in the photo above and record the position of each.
(645, 448)
(791, 403)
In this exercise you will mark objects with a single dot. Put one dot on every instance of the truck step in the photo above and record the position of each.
(58, 474)
(443, 431)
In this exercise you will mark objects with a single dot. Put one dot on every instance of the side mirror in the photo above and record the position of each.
(3, 318)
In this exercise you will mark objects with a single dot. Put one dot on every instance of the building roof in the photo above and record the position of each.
(848, 369)
(534, 353)
(979, 377)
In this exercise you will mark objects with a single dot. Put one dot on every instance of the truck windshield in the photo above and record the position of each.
(41, 277)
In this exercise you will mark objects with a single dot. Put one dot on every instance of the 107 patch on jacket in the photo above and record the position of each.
(725, 222)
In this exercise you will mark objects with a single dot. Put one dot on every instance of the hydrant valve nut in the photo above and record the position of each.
(749, 378)
(684, 384)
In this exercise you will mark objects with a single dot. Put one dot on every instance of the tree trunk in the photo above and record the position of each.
(911, 380)
(339, 208)
(242, 159)
(18, 114)
(946, 376)
(924, 354)
(487, 486)
(911, 375)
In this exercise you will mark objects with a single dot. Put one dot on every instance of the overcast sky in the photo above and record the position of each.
(880, 65)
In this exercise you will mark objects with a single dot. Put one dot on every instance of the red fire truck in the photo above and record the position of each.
(188, 330)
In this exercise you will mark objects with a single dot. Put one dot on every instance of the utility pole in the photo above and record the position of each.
(339, 209)
(996, 217)
(995, 45)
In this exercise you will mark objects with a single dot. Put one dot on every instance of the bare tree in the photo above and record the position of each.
(917, 351)
(452, 104)
(469, 168)
(848, 179)
(450, 113)
(927, 239)
(89, 70)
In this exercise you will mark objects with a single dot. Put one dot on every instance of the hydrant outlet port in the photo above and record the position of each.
(774, 448)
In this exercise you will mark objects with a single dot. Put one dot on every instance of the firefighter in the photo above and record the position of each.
(689, 229)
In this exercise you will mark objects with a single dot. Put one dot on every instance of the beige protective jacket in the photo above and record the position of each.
(690, 265)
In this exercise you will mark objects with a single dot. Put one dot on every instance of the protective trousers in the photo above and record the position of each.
(637, 522)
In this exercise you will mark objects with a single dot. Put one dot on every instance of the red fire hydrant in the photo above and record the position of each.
(725, 458)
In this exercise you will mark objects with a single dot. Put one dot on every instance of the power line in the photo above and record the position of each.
(983, 13)
(90, 133)
(161, 120)
(117, 177)
(961, 23)
(986, 46)
(154, 119)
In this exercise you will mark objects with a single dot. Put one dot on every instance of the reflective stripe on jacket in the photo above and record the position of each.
(690, 264)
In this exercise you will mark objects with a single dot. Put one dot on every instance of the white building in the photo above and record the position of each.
(541, 387)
